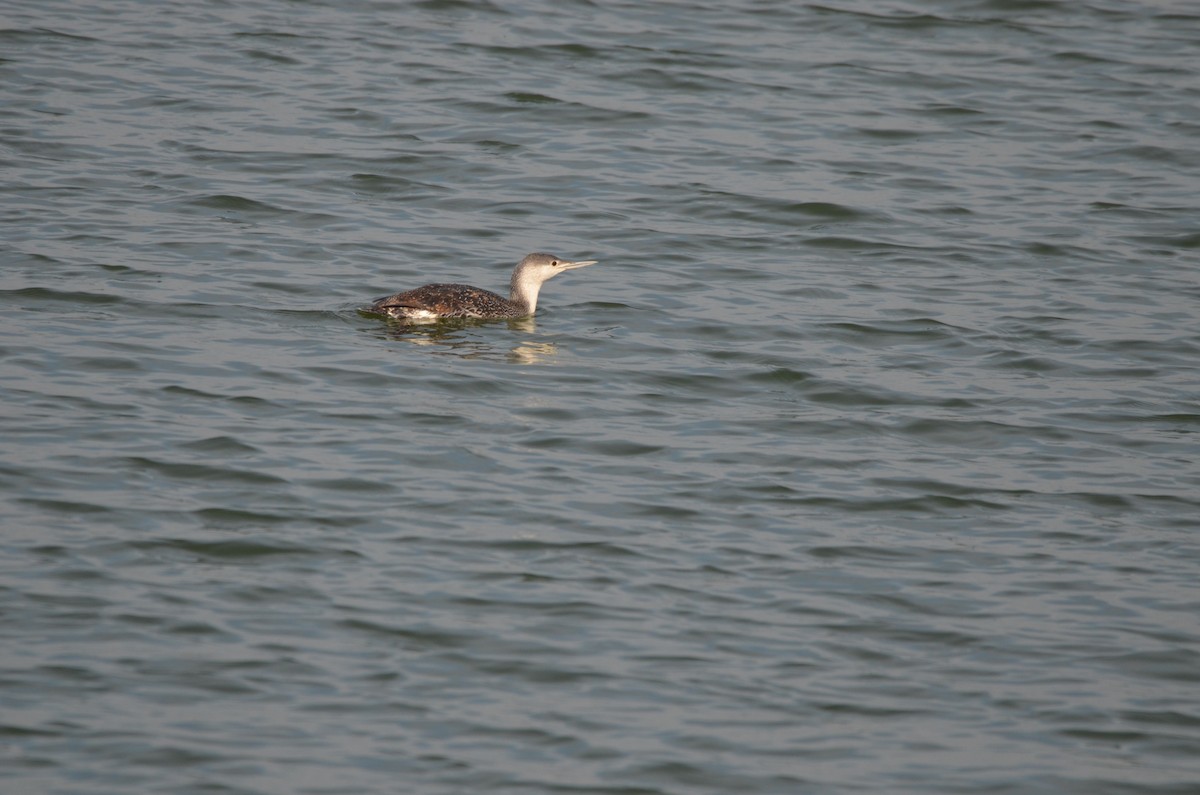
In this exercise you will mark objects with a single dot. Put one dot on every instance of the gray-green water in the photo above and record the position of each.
(865, 461)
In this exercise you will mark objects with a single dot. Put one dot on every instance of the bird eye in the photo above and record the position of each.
(554, 263)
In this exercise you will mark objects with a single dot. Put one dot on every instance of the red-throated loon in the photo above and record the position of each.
(461, 300)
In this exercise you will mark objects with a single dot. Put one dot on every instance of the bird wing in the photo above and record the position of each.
(447, 300)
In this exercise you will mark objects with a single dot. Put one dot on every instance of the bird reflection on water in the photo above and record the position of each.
(453, 338)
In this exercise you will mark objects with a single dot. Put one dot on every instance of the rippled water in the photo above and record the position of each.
(864, 461)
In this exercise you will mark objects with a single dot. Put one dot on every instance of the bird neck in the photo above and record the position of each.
(523, 290)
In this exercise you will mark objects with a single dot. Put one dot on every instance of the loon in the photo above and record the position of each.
(461, 300)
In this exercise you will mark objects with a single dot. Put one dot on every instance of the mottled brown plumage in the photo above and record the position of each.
(449, 300)
(462, 300)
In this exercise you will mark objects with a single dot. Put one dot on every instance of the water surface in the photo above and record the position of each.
(864, 461)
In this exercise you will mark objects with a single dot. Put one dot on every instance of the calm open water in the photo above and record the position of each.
(865, 461)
